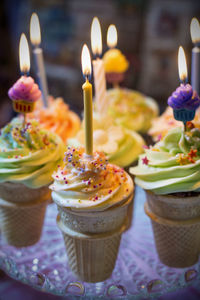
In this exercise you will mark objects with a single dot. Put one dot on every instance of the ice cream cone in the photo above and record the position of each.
(19, 193)
(93, 238)
(21, 222)
(91, 219)
(86, 252)
(96, 222)
(173, 207)
(177, 241)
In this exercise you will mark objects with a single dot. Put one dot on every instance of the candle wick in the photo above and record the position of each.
(87, 77)
(183, 81)
(24, 73)
(97, 56)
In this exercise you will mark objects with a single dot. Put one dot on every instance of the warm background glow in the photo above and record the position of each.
(96, 37)
(112, 36)
(182, 66)
(24, 55)
(35, 33)
(86, 61)
(195, 30)
(149, 35)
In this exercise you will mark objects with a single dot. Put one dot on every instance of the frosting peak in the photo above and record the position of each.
(28, 154)
(90, 183)
(57, 117)
(184, 98)
(25, 89)
(171, 165)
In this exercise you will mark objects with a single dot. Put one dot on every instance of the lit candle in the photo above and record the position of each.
(112, 36)
(98, 67)
(24, 92)
(35, 36)
(195, 69)
(183, 100)
(87, 95)
(24, 55)
(115, 62)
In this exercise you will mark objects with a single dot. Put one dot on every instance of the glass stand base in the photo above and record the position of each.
(138, 270)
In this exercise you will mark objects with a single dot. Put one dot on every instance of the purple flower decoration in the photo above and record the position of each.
(184, 98)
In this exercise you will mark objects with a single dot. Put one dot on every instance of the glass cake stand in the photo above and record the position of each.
(138, 271)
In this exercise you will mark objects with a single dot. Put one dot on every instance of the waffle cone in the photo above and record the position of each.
(21, 222)
(172, 207)
(19, 193)
(91, 257)
(97, 222)
(177, 241)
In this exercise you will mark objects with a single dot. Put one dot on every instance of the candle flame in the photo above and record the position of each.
(24, 55)
(86, 61)
(35, 33)
(112, 36)
(195, 30)
(182, 66)
(96, 37)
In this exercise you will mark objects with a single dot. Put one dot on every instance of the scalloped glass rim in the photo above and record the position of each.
(137, 272)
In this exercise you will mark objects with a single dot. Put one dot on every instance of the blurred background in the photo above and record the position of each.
(149, 34)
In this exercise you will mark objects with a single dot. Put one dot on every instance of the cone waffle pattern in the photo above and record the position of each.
(177, 246)
(92, 260)
(21, 225)
(96, 222)
(177, 242)
(172, 207)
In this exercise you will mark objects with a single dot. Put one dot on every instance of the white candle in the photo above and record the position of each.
(98, 67)
(195, 68)
(35, 36)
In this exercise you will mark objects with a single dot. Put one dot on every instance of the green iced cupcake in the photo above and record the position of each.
(131, 109)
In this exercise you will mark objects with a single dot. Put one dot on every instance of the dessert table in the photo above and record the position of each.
(138, 271)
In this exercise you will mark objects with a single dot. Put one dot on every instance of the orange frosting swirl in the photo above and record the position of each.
(57, 117)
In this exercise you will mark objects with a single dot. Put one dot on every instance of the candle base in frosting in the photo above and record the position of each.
(184, 115)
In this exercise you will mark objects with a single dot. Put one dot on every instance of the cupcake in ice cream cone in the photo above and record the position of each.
(93, 198)
(28, 156)
(169, 173)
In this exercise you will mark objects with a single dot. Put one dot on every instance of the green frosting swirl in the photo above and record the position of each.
(28, 154)
(131, 109)
(172, 165)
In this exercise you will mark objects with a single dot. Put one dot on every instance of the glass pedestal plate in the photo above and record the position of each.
(138, 272)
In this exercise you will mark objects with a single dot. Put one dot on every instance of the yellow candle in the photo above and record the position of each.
(87, 95)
